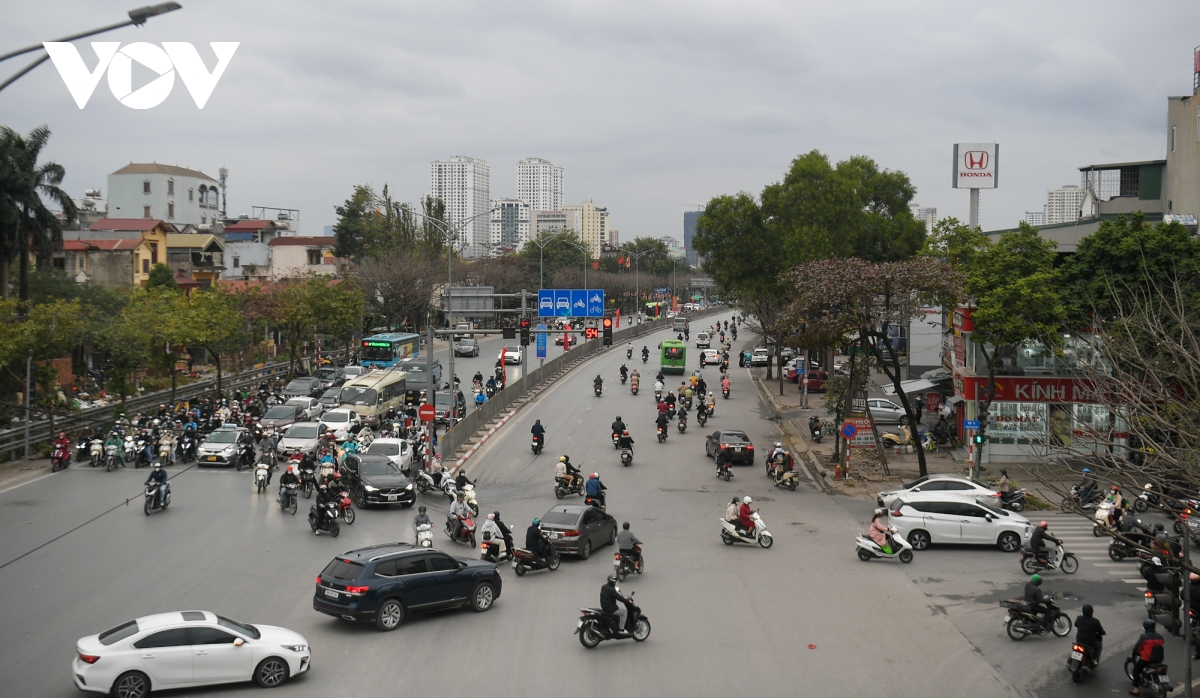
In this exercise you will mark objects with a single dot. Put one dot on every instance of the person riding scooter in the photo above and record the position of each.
(158, 476)
(536, 541)
(645, 354)
(1037, 542)
(569, 471)
(595, 489)
(460, 510)
(1089, 632)
(624, 373)
(1147, 650)
(745, 523)
(625, 441)
(1086, 486)
(1038, 602)
(289, 478)
(784, 464)
(612, 603)
(539, 432)
(879, 532)
(617, 426)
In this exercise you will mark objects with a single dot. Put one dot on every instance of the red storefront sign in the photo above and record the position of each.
(1027, 389)
(933, 402)
(960, 354)
(962, 319)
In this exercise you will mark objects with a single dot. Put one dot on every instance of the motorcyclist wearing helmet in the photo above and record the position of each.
(1037, 600)
(745, 523)
(598, 381)
(1037, 542)
(535, 540)
(595, 489)
(626, 543)
(1089, 631)
(539, 432)
(1086, 486)
(460, 510)
(879, 531)
(158, 476)
(115, 440)
(571, 472)
(504, 533)
(625, 441)
(419, 520)
(62, 442)
(645, 352)
(617, 426)
(1146, 651)
(775, 451)
(288, 479)
(613, 603)
(624, 373)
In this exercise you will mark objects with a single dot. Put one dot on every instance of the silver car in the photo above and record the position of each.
(302, 438)
(886, 411)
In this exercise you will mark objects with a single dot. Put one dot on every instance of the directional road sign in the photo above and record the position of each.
(541, 341)
(573, 302)
(970, 424)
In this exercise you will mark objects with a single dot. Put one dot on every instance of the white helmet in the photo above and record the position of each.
(879, 512)
(746, 500)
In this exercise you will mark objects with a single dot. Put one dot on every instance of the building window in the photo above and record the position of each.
(170, 209)
(314, 257)
(145, 266)
(191, 194)
(146, 186)
(237, 262)
(154, 252)
(170, 187)
(1174, 137)
(145, 212)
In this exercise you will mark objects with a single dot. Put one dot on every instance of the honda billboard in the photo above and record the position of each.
(975, 165)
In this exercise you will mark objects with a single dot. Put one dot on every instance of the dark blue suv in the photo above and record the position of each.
(386, 582)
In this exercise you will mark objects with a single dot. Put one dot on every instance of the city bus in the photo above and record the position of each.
(388, 349)
(674, 356)
(374, 394)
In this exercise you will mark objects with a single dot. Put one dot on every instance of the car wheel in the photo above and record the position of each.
(919, 540)
(271, 672)
(1009, 542)
(390, 615)
(483, 597)
(133, 684)
(360, 500)
(612, 537)
(586, 551)
(903, 421)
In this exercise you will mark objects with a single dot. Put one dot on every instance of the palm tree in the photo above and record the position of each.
(24, 184)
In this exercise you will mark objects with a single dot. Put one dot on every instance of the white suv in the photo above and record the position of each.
(925, 519)
(702, 340)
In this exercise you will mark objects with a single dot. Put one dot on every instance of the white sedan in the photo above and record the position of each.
(339, 422)
(312, 407)
(186, 649)
(395, 450)
(945, 484)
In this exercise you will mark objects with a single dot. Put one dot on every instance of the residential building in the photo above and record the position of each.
(88, 209)
(689, 233)
(462, 184)
(297, 256)
(614, 238)
(152, 231)
(175, 194)
(540, 184)
(199, 257)
(1063, 204)
(247, 254)
(111, 263)
(509, 223)
(928, 216)
(673, 247)
(591, 222)
(1182, 177)
(545, 221)
(1035, 217)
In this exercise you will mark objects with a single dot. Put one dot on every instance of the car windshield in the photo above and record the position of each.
(356, 395)
(354, 370)
(326, 374)
(302, 385)
(381, 449)
(513, 350)
(377, 467)
(305, 431)
(280, 412)
(243, 628)
(415, 376)
(443, 400)
(331, 394)
(560, 518)
(336, 416)
(222, 437)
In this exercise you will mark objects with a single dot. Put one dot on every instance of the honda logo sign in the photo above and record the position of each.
(975, 165)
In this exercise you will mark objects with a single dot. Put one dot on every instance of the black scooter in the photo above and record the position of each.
(596, 626)
(152, 504)
(324, 518)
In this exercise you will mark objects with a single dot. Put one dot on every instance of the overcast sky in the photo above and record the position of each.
(649, 106)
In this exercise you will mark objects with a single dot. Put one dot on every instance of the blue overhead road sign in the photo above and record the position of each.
(546, 303)
(595, 303)
(562, 302)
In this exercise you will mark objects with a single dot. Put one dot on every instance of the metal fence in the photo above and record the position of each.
(12, 441)
(456, 437)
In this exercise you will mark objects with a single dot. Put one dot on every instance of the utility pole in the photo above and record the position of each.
(28, 416)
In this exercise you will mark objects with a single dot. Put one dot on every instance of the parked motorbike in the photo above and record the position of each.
(596, 626)
(814, 429)
(1031, 562)
(525, 561)
(1153, 681)
(468, 530)
(287, 501)
(425, 536)
(1021, 622)
(760, 536)
(324, 518)
(623, 565)
(566, 485)
(536, 446)
(152, 504)
(60, 459)
(1081, 661)
(868, 549)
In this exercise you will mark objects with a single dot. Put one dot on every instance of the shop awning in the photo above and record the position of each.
(919, 385)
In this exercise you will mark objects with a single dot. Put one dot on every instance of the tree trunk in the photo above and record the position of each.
(892, 371)
(5, 263)
(217, 360)
(23, 267)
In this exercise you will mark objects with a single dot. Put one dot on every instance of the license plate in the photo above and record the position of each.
(514, 564)
(579, 625)
(331, 594)
(211, 458)
(1163, 678)
(737, 449)
(392, 497)
(554, 536)
(1077, 655)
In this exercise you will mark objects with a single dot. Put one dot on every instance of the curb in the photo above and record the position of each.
(486, 435)
(812, 467)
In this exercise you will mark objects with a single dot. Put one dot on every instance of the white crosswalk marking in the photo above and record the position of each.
(1077, 537)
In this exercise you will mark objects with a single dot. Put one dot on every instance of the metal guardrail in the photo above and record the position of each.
(12, 441)
(462, 432)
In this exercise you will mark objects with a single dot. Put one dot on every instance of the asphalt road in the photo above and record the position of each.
(805, 617)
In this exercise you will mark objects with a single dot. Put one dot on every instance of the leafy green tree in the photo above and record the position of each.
(161, 276)
(300, 308)
(549, 251)
(212, 320)
(954, 242)
(1015, 289)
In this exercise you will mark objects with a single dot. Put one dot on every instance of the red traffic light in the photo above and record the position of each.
(607, 323)
(524, 323)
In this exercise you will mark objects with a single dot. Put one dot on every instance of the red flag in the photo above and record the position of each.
(596, 264)
(620, 261)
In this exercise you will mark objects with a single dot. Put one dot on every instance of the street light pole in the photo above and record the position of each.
(136, 17)
(541, 241)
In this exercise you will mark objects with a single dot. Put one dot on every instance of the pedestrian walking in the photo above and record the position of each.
(920, 405)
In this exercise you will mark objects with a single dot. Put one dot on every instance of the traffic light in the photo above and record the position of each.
(978, 439)
(1164, 604)
(524, 332)
(607, 323)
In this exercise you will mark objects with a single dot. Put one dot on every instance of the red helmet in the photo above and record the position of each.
(1044, 524)
(595, 476)
(338, 476)
(289, 469)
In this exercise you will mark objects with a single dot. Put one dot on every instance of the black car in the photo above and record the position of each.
(375, 479)
(330, 398)
(576, 529)
(734, 444)
(306, 386)
(384, 583)
(329, 376)
(281, 416)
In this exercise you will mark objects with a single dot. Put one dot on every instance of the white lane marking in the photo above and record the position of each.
(27, 482)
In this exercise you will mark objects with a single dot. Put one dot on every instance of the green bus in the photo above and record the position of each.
(674, 356)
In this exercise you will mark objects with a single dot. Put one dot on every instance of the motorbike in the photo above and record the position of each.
(682, 424)
(868, 549)
(598, 388)
(623, 565)
(626, 457)
(428, 483)
(468, 531)
(1105, 519)
(492, 549)
(144, 456)
(589, 500)
(288, 501)
(657, 396)
(1081, 661)
(624, 377)
(814, 430)
(425, 536)
(1021, 621)
(1031, 562)
(81, 449)
(468, 496)
(1071, 500)
(730, 533)
(131, 451)
(260, 476)
(345, 507)
(645, 358)
(536, 446)
(1013, 501)
(596, 626)
(525, 560)
(152, 504)
(725, 393)
(308, 480)
(187, 448)
(1190, 507)
(111, 457)
(1146, 499)
(723, 470)
(60, 459)
(96, 451)
(1153, 680)
(702, 417)
(633, 387)
(628, 353)
(165, 446)
(616, 438)
(324, 518)
(490, 392)
(790, 480)
(563, 486)
(662, 434)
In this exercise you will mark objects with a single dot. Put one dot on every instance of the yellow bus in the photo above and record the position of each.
(374, 394)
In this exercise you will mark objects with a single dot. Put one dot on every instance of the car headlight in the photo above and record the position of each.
(296, 648)
(409, 486)
(370, 489)
(228, 449)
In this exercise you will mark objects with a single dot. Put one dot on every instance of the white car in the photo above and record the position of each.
(514, 355)
(886, 411)
(926, 519)
(312, 407)
(702, 340)
(942, 484)
(711, 356)
(395, 450)
(186, 649)
(339, 422)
